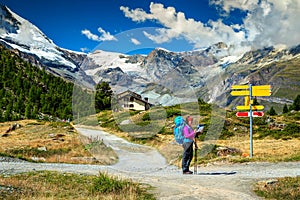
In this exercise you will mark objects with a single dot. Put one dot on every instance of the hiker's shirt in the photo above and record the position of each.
(188, 133)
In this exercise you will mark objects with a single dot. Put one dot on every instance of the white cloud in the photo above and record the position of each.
(176, 25)
(89, 35)
(163, 35)
(229, 5)
(135, 41)
(105, 36)
(267, 22)
(84, 49)
(137, 15)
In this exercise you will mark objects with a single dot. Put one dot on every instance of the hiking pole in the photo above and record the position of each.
(199, 131)
(195, 157)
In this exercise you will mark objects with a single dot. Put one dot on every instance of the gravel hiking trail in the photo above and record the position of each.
(145, 165)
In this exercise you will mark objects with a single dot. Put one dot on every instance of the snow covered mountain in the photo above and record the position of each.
(168, 78)
(31, 44)
(163, 76)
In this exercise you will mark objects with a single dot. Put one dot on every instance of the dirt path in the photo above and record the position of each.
(146, 165)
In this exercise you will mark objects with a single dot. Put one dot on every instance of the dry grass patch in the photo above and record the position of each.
(54, 185)
(287, 188)
(48, 142)
(266, 149)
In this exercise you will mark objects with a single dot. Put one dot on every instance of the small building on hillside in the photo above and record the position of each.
(132, 101)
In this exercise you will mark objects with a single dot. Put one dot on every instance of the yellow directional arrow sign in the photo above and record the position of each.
(243, 90)
(240, 93)
(261, 92)
(257, 107)
(261, 87)
(238, 87)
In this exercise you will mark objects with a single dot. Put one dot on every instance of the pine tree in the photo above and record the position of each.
(296, 103)
(285, 109)
(103, 96)
(26, 90)
(272, 111)
(255, 102)
(8, 112)
(28, 111)
(1, 116)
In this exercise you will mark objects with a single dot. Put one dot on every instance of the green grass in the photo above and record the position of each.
(287, 188)
(159, 120)
(291, 130)
(155, 128)
(54, 185)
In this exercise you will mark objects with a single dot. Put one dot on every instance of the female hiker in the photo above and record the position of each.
(189, 135)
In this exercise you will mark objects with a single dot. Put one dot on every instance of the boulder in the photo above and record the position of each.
(13, 127)
(225, 151)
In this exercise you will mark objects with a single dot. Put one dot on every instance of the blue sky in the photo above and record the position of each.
(178, 25)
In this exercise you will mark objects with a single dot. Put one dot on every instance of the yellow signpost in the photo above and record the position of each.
(257, 107)
(257, 92)
(240, 93)
(261, 87)
(261, 93)
(238, 87)
(249, 91)
(261, 90)
(247, 100)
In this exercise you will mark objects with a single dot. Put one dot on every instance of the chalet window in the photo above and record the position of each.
(131, 99)
(131, 105)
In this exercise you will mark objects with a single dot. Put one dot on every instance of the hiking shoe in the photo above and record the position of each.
(188, 172)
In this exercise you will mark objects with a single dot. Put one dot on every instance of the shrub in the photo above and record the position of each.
(292, 130)
(226, 134)
(154, 115)
(173, 112)
(286, 188)
(146, 117)
(104, 184)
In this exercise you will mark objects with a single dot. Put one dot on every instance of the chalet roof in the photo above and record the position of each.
(132, 94)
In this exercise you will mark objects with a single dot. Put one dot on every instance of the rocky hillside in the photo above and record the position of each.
(163, 75)
(279, 68)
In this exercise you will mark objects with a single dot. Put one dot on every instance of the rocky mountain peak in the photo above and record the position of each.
(220, 45)
(295, 50)
(33, 45)
(159, 53)
(8, 24)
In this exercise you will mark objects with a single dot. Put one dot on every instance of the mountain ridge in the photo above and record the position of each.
(31, 43)
(162, 75)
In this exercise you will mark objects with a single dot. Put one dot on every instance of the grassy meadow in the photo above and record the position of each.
(155, 128)
(53, 185)
(59, 142)
(287, 188)
(43, 141)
